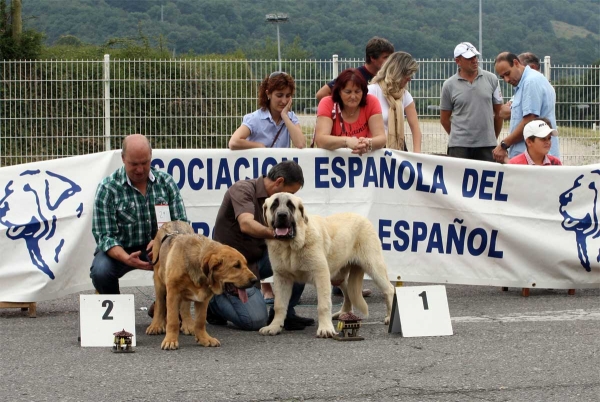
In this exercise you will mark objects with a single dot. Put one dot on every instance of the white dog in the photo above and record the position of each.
(318, 250)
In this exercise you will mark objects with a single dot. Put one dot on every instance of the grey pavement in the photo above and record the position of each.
(504, 348)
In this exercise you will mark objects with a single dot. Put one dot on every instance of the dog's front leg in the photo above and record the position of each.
(282, 287)
(159, 320)
(322, 281)
(171, 341)
(202, 337)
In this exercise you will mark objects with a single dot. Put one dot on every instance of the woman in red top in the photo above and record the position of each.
(350, 117)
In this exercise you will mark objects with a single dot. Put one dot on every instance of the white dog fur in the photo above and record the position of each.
(318, 250)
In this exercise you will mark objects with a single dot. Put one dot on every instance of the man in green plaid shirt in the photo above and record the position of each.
(124, 221)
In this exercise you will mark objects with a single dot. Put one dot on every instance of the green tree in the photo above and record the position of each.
(14, 42)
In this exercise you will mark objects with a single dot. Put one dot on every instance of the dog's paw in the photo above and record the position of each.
(270, 330)
(155, 329)
(387, 320)
(326, 331)
(187, 328)
(169, 344)
(208, 341)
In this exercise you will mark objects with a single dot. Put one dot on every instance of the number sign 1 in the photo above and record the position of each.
(420, 311)
(100, 316)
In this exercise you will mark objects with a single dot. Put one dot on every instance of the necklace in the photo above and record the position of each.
(347, 113)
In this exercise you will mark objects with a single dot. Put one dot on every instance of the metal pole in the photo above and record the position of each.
(334, 71)
(107, 102)
(278, 47)
(480, 35)
(547, 67)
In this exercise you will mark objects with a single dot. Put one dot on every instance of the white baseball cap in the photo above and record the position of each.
(538, 128)
(466, 50)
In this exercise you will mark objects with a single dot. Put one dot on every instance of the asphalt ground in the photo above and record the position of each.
(505, 348)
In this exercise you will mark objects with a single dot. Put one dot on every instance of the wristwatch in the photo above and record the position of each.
(504, 145)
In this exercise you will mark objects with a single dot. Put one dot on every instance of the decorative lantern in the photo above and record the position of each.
(123, 342)
(348, 326)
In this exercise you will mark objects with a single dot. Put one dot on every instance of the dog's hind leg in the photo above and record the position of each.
(187, 322)
(354, 290)
(378, 272)
(202, 337)
(347, 304)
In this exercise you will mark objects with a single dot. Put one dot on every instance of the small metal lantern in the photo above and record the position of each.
(348, 326)
(123, 342)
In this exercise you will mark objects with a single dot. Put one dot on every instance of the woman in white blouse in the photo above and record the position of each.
(389, 86)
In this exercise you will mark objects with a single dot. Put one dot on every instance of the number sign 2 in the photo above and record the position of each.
(420, 311)
(100, 316)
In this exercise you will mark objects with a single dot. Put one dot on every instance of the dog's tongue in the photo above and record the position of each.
(243, 295)
(282, 231)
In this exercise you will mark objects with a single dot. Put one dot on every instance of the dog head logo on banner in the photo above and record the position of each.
(579, 208)
(29, 206)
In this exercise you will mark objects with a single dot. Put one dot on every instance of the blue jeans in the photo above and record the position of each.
(251, 316)
(106, 271)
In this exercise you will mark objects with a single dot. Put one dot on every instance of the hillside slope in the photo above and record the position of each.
(567, 30)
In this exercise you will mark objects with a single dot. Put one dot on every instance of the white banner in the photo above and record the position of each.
(440, 220)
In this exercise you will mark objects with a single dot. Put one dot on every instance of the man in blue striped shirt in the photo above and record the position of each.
(124, 221)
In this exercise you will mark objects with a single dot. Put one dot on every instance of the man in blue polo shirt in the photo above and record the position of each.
(534, 97)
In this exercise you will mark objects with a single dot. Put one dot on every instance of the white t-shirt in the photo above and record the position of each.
(375, 89)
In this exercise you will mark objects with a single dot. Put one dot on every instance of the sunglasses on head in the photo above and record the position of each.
(276, 74)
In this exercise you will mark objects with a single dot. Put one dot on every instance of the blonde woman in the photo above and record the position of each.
(389, 86)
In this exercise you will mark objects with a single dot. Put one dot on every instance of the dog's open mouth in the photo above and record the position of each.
(285, 233)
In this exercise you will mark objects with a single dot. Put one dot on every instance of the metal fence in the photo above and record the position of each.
(53, 109)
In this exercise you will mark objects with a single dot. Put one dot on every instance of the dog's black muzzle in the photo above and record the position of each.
(284, 225)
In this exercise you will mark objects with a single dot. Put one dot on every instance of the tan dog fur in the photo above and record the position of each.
(191, 267)
(338, 247)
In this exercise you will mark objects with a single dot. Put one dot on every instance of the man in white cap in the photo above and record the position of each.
(472, 98)
(538, 139)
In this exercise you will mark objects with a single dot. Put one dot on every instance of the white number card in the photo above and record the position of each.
(420, 311)
(100, 316)
(162, 214)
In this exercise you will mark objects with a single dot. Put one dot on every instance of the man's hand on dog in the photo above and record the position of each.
(133, 260)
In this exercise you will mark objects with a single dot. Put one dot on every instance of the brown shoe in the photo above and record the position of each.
(366, 292)
(151, 310)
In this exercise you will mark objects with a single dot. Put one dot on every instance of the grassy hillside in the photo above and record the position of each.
(567, 30)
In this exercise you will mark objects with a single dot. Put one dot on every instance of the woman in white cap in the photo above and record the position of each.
(389, 86)
(538, 139)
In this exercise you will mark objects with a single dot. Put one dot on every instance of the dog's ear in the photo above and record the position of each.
(265, 207)
(302, 214)
(210, 266)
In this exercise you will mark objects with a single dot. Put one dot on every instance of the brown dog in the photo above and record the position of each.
(191, 267)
